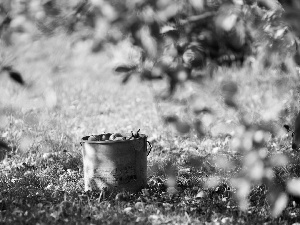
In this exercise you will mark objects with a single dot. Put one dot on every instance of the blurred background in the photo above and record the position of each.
(214, 84)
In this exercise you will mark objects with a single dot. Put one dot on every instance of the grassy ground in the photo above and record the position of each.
(75, 94)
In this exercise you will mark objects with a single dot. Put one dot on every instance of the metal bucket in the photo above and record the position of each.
(120, 165)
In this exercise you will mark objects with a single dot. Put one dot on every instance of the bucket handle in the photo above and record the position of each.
(150, 148)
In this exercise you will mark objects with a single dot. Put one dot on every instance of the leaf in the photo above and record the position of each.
(127, 210)
(171, 119)
(182, 127)
(149, 44)
(126, 78)
(293, 187)
(224, 163)
(204, 110)
(97, 46)
(256, 171)
(227, 23)
(125, 68)
(279, 160)
(279, 204)
(230, 102)
(296, 138)
(154, 74)
(155, 29)
(287, 127)
(212, 182)
(200, 195)
(243, 187)
(16, 76)
(199, 128)
(170, 31)
(229, 89)
(197, 4)
(297, 57)
(3, 149)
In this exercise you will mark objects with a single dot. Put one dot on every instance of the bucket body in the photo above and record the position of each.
(120, 165)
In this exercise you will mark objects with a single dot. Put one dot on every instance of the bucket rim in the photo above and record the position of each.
(85, 140)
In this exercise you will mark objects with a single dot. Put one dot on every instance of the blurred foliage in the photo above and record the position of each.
(183, 41)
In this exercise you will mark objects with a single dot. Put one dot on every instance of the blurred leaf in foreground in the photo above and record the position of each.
(243, 187)
(222, 162)
(293, 187)
(280, 204)
(212, 181)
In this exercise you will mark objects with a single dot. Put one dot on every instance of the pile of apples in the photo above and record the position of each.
(113, 137)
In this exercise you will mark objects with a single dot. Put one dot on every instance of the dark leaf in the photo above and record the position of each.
(7, 68)
(297, 57)
(3, 149)
(296, 138)
(171, 119)
(182, 127)
(6, 21)
(287, 127)
(16, 76)
(155, 74)
(231, 103)
(3, 145)
(173, 84)
(126, 78)
(199, 129)
(170, 32)
(155, 29)
(97, 46)
(146, 75)
(284, 68)
(229, 89)
(125, 68)
(203, 110)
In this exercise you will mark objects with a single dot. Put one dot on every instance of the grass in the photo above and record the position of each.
(74, 94)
